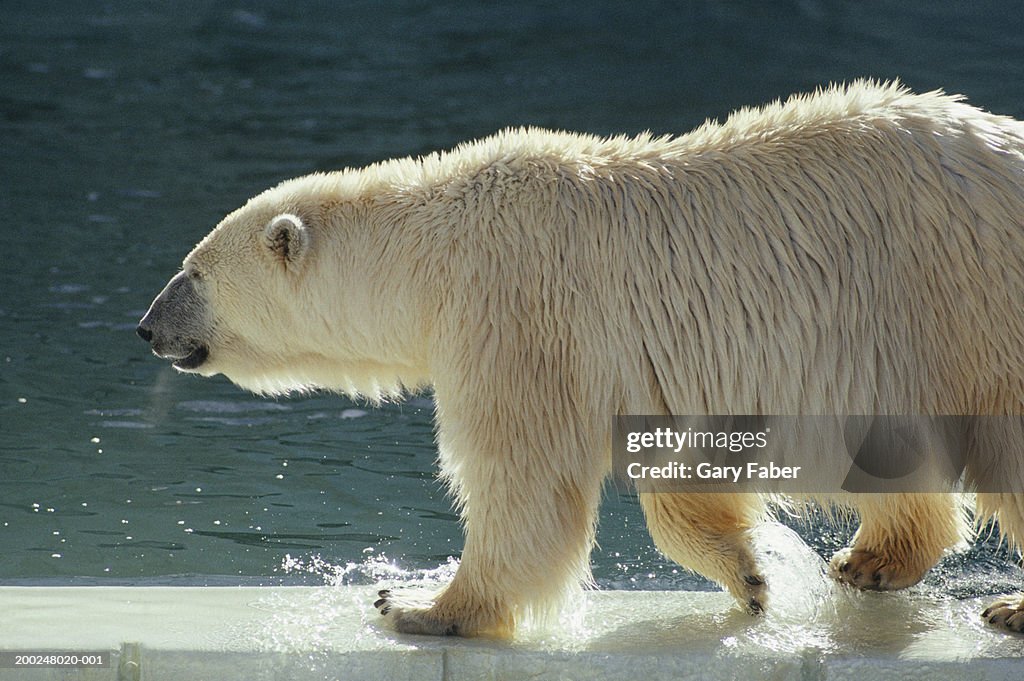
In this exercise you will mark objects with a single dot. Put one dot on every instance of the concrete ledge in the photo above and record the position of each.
(300, 633)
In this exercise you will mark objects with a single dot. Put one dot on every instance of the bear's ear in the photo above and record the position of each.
(287, 238)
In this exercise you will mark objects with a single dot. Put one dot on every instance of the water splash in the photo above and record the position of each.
(799, 586)
(377, 569)
(803, 599)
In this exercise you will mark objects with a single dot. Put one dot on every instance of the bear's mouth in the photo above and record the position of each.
(192, 360)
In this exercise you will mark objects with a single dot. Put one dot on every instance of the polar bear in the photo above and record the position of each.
(858, 250)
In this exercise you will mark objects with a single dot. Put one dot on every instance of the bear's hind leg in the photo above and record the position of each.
(1008, 509)
(901, 536)
(995, 467)
(710, 534)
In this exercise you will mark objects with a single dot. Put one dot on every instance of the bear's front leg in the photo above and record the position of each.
(528, 493)
(528, 541)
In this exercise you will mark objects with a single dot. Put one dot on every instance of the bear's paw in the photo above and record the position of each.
(1008, 614)
(414, 617)
(873, 571)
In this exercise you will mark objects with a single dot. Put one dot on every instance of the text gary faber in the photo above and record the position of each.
(675, 470)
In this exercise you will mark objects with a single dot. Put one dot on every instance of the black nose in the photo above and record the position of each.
(144, 333)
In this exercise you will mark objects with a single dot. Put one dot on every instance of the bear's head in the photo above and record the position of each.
(306, 286)
(240, 294)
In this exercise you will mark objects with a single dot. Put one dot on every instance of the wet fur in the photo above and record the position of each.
(858, 250)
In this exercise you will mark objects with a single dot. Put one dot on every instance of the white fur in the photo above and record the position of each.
(858, 250)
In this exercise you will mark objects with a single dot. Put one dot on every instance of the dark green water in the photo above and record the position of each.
(127, 130)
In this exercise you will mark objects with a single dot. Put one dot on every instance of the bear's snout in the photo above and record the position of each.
(175, 325)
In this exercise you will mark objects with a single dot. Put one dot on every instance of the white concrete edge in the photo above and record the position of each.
(300, 633)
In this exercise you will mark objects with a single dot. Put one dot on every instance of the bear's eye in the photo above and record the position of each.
(195, 275)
